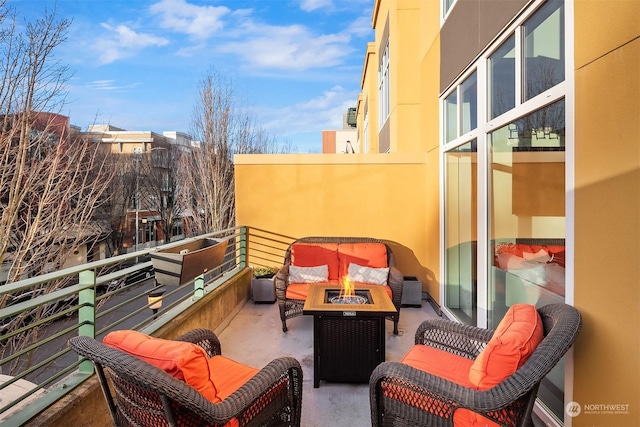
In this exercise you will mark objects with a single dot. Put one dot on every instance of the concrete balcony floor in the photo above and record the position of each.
(254, 337)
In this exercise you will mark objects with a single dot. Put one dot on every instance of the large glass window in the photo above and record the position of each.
(527, 223)
(461, 231)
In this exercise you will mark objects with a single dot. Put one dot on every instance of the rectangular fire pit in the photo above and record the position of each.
(348, 338)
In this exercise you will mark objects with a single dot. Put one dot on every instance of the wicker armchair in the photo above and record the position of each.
(291, 307)
(401, 395)
(147, 396)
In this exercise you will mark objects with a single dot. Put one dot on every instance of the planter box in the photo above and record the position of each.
(184, 262)
(263, 290)
(411, 292)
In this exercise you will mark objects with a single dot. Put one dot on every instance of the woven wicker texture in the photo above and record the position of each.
(401, 395)
(144, 395)
(291, 308)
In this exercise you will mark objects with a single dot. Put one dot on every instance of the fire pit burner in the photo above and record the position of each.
(337, 297)
(348, 299)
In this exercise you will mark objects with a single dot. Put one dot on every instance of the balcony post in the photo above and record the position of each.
(243, 246)
(87, 312)
(198, 285)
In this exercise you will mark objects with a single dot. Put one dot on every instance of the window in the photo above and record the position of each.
(461, 109)
(544, 50)
(504, 168)
(447, 5)
(383, 87)
(365, 132)
(502, 79)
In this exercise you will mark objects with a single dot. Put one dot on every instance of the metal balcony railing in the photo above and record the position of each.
(36, 366)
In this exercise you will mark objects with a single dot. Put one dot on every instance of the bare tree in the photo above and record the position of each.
(222, 128)
(52, 181)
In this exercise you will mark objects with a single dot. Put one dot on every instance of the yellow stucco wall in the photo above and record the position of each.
(607, 205)
(375, 195)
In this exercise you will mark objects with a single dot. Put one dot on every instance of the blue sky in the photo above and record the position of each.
(137, 64)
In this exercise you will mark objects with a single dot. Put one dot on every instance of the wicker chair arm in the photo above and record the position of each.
(395, 282)
(282, 278)
(205, 339)
(463, 340)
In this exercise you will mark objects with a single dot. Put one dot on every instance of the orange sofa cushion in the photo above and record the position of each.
(514, 340)
(363, 254)
(300, 291)
(183, 360)
(229, 375)
(315, 254)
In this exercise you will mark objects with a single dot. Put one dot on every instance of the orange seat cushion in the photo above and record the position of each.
(300, 291)
(445, 365)
(363, 254)
(514, 340)
(183, 360)
(439, 363)
(315, 254)
(229, 375)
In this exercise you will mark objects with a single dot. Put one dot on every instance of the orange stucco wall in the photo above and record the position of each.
(375, 195)
(607, 205)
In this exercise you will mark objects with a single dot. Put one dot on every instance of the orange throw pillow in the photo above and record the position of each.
(514, 340)
(183, 360)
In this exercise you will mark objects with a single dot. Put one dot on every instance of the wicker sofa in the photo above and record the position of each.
(339, 253)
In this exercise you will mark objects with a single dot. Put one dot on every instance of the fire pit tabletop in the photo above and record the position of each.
(317, 301)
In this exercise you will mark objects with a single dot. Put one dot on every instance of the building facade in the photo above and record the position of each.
(510, 97)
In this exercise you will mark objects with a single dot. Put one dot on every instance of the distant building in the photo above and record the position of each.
(143, 206)
(342, 140)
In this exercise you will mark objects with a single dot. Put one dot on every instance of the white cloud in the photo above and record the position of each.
(109, 85)
(311, 5)
(361, 27)
(121, 42)
(289, 48)
(199, 22)
(323, 112)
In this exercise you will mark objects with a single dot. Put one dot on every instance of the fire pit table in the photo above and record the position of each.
(348, 336)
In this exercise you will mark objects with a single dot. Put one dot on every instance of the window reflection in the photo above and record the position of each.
(502, 78)
(461, 232)
(527, 223)
(469, 114)
(544, 49)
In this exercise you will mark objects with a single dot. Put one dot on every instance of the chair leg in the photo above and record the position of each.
(284, 326)
(395, 326)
